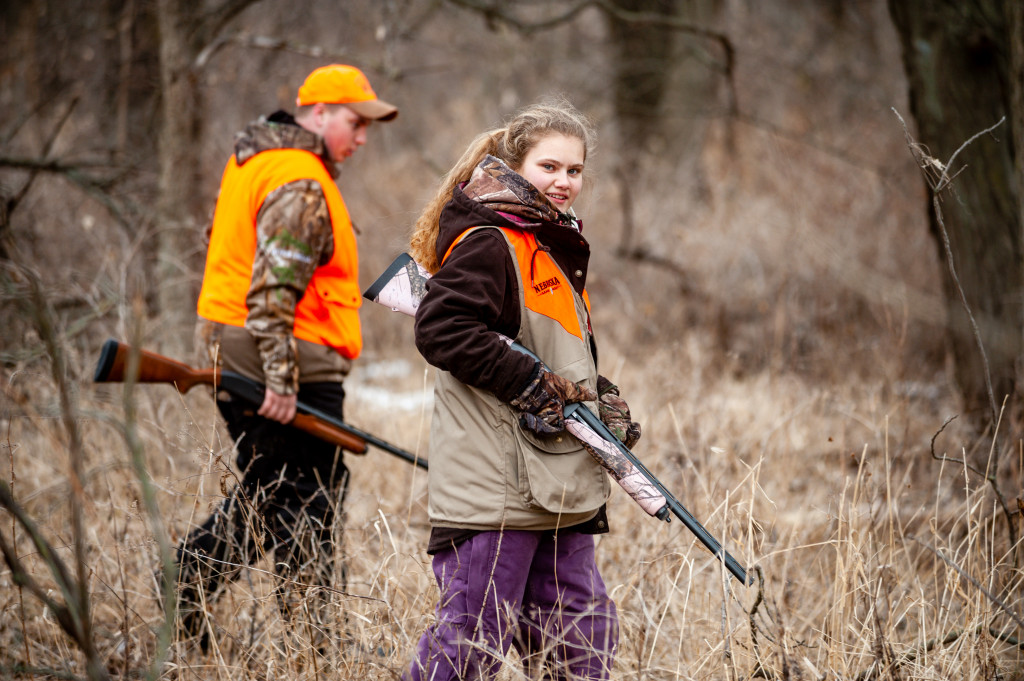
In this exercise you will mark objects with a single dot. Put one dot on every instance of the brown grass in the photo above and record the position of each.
(785, 357)
(873, 560)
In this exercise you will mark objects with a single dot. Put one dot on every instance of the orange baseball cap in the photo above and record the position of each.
(342, 84)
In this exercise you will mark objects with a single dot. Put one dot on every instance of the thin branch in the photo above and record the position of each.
(943, 181)
(950, 459)
(493, 11)
(99, 188)
(931, 644)
(53, 165)
(41, 311)
(991, 596)
(266, 43)
(497, 11)
(12, 203)
(644, 254)
(45, 672)
(940, 185)
(963, 301)
(280, 578)
(74, 615)
(20, 574)
(25, 117)
(215, 20)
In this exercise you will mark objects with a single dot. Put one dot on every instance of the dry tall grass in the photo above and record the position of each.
(787, 368)
(873, 560)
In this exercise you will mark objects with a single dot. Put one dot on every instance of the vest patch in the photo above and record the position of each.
(547, 286)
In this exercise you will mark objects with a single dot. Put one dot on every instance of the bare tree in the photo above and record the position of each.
(646, 55)
(644, 58)
(186, 29)
(963, 65)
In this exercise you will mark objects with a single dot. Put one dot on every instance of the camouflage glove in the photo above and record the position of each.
(543, 400)
(614, 413)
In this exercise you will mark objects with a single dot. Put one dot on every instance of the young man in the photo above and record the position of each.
(280, 304)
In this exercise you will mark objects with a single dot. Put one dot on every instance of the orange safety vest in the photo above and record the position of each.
(328, 312)
(545, 290)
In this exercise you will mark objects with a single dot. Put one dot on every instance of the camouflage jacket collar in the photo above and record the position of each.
(279, 131)
(498, 187)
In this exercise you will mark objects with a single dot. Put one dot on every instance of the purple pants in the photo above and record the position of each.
(538, 591)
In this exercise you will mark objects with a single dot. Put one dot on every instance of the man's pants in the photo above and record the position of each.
(284, 508)
(538, 591)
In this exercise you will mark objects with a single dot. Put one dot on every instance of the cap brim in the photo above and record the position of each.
(374, 109)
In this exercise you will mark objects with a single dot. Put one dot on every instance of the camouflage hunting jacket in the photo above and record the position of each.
(296, 214)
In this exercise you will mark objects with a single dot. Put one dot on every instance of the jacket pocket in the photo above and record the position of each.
(556, 474)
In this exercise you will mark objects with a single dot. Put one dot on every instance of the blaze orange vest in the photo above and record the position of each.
(328, 312)
(545, 290)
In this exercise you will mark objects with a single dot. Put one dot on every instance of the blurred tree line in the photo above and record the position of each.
(115, 102)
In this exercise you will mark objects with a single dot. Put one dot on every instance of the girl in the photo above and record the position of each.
(514, 500)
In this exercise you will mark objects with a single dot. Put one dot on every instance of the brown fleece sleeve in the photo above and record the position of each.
(469, 301)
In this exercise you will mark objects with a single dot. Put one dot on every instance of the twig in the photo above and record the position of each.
(16, 669)
(990, 478)
(280, 578)
(950, 459)
(74, 614)
(929, 645)
(13, 202)
(14, 540)
(137, 455)
(938, 186)
(20, 574)
(991, 596)
(496, 11)
(97, 187)
(267, 43)
(943, 180)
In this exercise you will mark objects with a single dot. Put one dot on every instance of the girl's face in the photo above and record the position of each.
(555, 166)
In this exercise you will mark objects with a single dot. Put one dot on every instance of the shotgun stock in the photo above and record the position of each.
(112, 367)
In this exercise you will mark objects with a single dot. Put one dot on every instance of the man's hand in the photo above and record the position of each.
(278, 407)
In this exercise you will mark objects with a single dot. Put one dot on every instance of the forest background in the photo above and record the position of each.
(772, 286)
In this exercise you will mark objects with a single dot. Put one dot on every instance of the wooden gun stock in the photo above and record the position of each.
(153, 368)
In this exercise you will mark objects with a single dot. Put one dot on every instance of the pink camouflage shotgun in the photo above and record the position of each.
(401, 287)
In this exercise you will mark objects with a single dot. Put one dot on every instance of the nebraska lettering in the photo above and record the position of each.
(546, 285)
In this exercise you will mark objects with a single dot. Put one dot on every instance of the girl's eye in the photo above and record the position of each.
(548, 166)
(575, 171)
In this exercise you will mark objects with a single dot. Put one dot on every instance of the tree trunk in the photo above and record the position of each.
(957, 60)
(640, 72)
(657, 63)
(179, 248)
(1015, 18)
